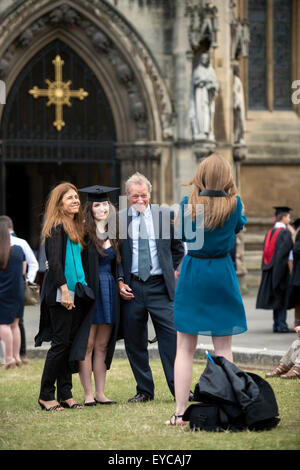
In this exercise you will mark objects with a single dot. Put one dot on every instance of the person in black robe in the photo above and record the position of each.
(294, 287)
(100, 329)
(273, 289)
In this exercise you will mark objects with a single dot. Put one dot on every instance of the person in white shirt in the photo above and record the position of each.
(32, 269)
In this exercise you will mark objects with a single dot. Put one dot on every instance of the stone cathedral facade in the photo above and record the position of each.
(98, 89)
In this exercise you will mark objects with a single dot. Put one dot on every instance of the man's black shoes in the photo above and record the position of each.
(140, 398)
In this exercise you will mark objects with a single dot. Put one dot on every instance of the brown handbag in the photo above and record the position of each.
(32, 293)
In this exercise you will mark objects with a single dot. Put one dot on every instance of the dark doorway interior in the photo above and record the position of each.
(36, 156)
(29, 184)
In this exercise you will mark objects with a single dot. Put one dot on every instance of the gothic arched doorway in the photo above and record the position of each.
(36, 155)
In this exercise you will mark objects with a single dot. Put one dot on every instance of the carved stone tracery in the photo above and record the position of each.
(240, 35)
(203, 24)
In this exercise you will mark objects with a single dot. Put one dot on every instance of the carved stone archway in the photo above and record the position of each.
(118, 57)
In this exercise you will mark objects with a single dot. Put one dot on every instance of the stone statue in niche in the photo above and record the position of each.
(204, 89)
(239, 119)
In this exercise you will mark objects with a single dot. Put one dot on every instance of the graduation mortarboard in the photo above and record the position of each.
(281, 210)
(296, 223)
(98, 193)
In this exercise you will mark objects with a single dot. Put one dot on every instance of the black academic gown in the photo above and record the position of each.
(90, 263)
(273, 289)
(245, 399)
(294, 287)
(55, 249)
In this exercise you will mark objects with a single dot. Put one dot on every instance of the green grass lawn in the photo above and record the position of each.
(24, 426)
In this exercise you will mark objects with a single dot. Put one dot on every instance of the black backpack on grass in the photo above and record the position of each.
(231, 399)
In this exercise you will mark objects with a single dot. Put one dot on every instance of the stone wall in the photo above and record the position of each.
(266, 186)
(154, 21)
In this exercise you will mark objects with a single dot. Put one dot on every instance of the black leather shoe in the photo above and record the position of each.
(285, 330)
(140, 398)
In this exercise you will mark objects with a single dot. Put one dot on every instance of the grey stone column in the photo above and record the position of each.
(144, 158)
(183, 158)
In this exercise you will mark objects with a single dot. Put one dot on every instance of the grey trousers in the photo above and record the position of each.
(292, 356)
(150, 297)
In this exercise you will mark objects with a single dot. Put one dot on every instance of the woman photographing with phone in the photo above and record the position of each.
(208, 299)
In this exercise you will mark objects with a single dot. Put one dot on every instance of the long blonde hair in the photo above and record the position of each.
(55, 215)
(215, 173)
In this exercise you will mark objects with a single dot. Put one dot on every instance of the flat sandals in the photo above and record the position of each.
(173, 422)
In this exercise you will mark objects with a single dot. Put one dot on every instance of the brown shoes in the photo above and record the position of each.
(284, 372)
(278, 371)
(293, 373)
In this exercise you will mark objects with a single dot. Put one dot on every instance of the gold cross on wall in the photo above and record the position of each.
(58, 93)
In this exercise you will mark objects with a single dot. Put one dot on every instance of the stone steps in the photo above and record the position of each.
(271, 139)
(273, 150)
(273, 136)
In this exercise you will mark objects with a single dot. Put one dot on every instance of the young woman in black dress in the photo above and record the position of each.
(100, 259)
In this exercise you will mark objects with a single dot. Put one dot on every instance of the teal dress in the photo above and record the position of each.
(207, 298)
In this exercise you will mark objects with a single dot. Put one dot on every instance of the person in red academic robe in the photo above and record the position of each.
(273, 289)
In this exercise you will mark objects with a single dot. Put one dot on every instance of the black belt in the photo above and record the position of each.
(208, 257)
(155, 276)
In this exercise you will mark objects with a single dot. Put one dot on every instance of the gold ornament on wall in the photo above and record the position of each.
(58, 93)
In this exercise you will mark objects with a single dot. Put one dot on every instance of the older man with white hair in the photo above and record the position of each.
(150, 256)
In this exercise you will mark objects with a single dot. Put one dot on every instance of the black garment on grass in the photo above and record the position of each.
(230, 398)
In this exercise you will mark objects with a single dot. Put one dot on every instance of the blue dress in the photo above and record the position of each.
(12, 287)
(207, 298)
(105, 308)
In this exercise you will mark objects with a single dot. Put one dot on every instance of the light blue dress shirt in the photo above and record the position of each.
(156, 269)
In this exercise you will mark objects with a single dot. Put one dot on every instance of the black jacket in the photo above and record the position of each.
(272, 292)
(90, 263)
(55, 249)
(294, 286)
(244, 400)
(170, 250)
